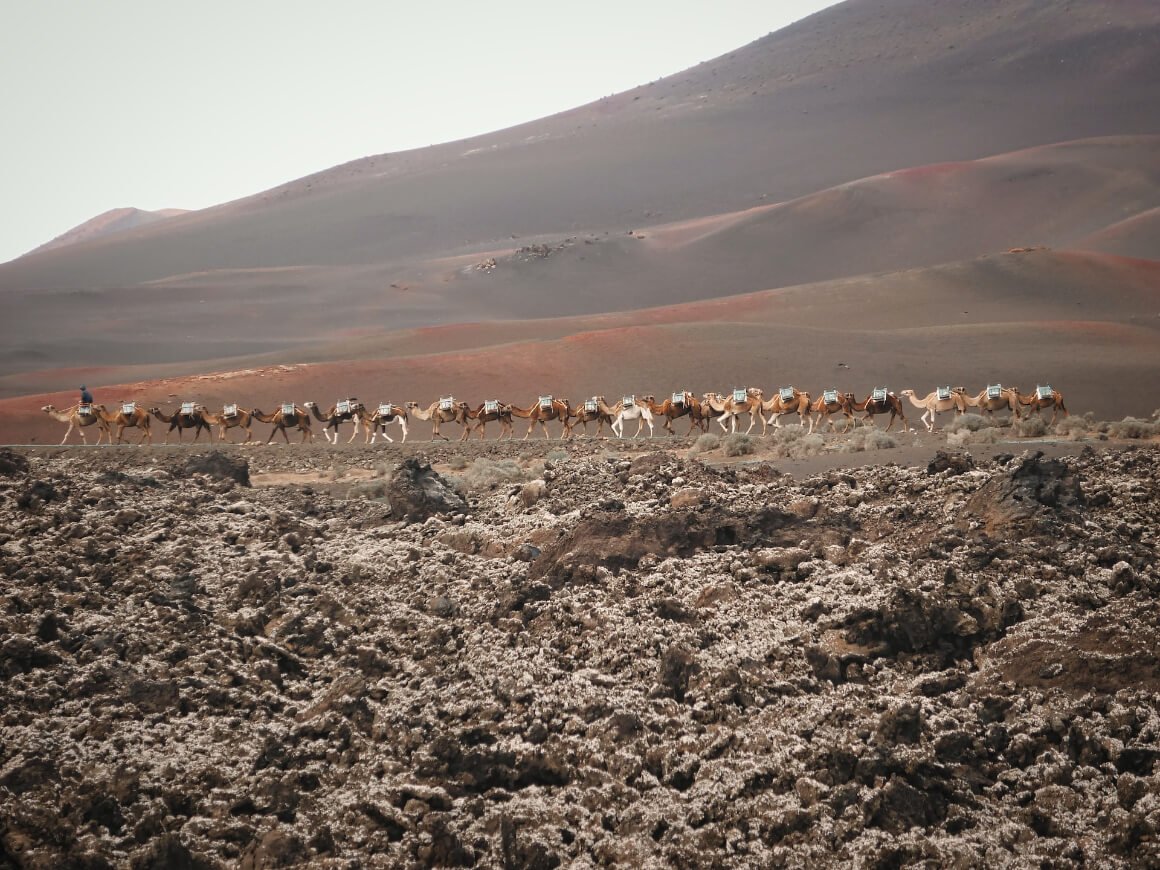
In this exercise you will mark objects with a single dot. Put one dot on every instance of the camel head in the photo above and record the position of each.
(48, 409)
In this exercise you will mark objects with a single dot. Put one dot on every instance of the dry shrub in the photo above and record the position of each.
(1133, 427)
(458, 462)
(867, 438)
(737, 444)
(968, 423)
(963, 437)
(794, 442)
(706, 442)
(485, 474)
(382, 469)
(557, 455)
(1074, 428)
(1030, 427)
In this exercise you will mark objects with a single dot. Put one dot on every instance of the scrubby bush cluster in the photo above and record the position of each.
(867, 438)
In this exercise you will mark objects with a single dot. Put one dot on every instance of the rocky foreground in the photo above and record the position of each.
(591, 660)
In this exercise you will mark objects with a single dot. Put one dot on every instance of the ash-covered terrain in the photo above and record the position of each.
(585, 660)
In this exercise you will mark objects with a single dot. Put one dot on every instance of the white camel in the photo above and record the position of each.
(628, 408)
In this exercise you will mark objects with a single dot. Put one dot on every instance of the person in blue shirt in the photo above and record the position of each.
(86, 396)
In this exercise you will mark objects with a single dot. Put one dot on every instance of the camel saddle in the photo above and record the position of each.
(994, 391)
(288, 409)
(187, 409)
(830, 397)
(878, 394)
(490, 406)
(628, 401)
(386, 410)
(739, 395)
(85, 409)
(343, 406)
(128, 408)
(545, 403)
(786, 394)
(446, 403)
(230, 411)
(944, 393)
(590, 406)
(1044, 392)
(678, 398)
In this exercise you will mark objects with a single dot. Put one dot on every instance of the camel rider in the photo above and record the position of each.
(86, 396)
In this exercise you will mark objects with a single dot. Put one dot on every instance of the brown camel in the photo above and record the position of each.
(789, 400)
(443, 411)
(77, 417)
(1044, 396)
(740, 401)
(880, 401)
(492, 410)
(934, 403)
(992, 398)
(377, 421)
(828, 403)
(680, 404)
(128, 416)
(286, 417)
(344, 411)
(231, 416)
(589, 411)
(191, 416)
(545, 408)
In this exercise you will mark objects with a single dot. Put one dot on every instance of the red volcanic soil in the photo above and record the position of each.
(1087, 323)
(838, 192)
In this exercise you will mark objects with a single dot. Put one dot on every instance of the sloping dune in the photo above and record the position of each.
(1085, 322)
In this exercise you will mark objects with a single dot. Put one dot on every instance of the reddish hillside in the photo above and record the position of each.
(877, 136)
(117, 220)
(1084, 322)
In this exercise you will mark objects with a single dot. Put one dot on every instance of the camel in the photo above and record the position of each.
(628, 408)
(880, 401)
(491, 410)
(679, 405)
(385, 413)
(344, 411)
(740, 401)
(128, 416)
(542, 410)
(1044, 396)
(443, 411)
(990, 399)
(190, 416)
(230, 417)
(828, 403)
(286, 417)
(589, 411)
(934, 403)
(77, 417)
(788, 400)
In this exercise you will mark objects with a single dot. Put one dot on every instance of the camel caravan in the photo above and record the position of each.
(728, 410)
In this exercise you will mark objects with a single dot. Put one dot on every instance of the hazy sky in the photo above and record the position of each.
(158, 104)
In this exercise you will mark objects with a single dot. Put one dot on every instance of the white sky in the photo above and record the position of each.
(159, 104)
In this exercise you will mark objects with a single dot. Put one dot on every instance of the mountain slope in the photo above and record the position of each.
(856, 90)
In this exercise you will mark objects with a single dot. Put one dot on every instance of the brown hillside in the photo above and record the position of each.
(1085, 322)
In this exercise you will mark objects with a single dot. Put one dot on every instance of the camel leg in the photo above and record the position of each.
(66, 434)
